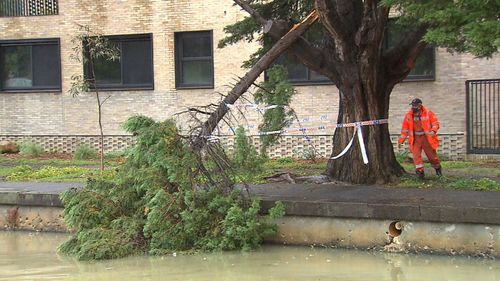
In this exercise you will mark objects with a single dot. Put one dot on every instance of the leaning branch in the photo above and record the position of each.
(242, 86)
(311, 56)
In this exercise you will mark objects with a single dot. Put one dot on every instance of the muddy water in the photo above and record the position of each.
(28, 256)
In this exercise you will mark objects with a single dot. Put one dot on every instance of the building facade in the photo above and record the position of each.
(169, 62)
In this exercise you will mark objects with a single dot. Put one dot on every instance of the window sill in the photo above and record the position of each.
(420, 79)
(194, 87)
(311, 83)
(123, 89)
(9, 91)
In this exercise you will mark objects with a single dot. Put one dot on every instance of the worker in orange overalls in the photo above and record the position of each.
(420, 127)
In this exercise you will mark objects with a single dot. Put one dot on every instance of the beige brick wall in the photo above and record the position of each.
(61, 114)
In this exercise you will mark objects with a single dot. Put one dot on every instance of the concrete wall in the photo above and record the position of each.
(429, 237)
(58, 113)
(32, 218)
(426, 237)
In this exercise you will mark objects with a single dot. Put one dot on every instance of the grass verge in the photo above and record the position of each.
(458, 175)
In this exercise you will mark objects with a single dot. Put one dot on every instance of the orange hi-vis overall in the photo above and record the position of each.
(421, 132)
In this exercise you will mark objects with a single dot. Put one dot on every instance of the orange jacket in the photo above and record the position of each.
(430, 124)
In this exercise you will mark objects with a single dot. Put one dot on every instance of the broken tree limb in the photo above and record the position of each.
(242, 86)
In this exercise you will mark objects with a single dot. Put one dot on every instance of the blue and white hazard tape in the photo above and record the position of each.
(361, 141)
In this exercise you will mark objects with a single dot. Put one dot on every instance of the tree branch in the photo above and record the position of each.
(241, 87)
(309, 55)
(401, 58)
(341, 19)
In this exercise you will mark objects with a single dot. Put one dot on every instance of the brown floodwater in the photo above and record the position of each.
(32, 256)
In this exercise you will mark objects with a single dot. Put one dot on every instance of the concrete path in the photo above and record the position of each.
(325, 200)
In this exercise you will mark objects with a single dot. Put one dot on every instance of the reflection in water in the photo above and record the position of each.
(29, 256)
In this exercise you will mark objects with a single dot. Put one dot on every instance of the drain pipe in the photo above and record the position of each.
(395, 229)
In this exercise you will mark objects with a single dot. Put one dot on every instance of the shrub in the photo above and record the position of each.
(84, 152)
(30, 148)
(403, 157)
(161, 202)
(285, 160)
(306, 153)
(117, 153)
(246, 160)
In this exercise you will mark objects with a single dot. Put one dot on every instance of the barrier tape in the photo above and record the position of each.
(357, 131)
(324, 127)
(320, 127)
(361, 141)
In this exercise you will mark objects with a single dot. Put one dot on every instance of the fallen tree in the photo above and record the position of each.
(174, 193)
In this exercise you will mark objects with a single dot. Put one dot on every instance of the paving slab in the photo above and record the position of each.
(324, 200)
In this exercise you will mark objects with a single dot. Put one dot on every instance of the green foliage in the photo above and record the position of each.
(403, 157)
(159, 203)
(117, 154)
(306, 153)
(30, 148)
(465, 25)
(476, 184)
(276, 90)
(90, 47)
(50, 173)
(284, 160)
(285, 10)
(246, 160)
(451, 182)
(84, 152)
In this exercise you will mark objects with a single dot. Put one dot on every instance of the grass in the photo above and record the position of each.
(450, 182)
(458, 175)
(54, 168)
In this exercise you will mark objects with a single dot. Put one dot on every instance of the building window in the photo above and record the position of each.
(299, 74)
(134, 69)
(25, 8)
(425, 65)
(30, 65)
(194, 63)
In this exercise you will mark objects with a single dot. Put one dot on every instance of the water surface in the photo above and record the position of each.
(32, 256)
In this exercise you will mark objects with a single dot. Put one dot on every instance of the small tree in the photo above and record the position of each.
(88, 47)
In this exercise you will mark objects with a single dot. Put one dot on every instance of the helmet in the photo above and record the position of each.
(416, 101)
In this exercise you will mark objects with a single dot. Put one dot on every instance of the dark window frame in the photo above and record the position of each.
(179, 38)
(120, 39)
(32, 42)
(301, 82)
(429, 48)
(28, 8)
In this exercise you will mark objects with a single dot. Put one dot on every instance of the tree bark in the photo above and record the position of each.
(382, 166)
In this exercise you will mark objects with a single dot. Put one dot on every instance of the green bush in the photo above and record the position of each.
(246, 160)
(117, 154)
(285, 160)
(306, 153)
(30, 148)
(161, 202)
(403, 157)
(84, 152)
(276, 90)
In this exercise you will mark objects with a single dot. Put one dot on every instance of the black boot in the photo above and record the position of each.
(438, 172)
(420, 175)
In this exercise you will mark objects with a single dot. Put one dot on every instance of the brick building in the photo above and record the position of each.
(170, 61)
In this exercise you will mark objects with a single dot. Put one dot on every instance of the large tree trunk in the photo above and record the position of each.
(353, 57)
(362, 102)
